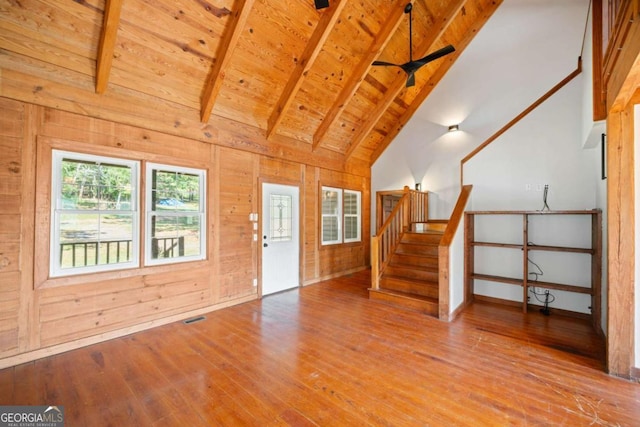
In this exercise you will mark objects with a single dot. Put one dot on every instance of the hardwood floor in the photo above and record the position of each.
(327, 355)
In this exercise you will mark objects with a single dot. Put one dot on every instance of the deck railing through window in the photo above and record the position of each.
(94, 253)
(165, 247)
(82, 254)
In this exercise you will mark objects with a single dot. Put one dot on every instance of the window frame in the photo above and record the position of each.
(57, 209)
(341, 215)
(337, 215)
(201, 213)
(358, 216)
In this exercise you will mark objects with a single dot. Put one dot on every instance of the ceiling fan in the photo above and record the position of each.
(412, 66)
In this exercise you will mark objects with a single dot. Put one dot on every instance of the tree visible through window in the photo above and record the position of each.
(95, 217)
(94, 213)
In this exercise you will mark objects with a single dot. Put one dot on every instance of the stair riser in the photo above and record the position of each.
(427, 289)
(418, 261)
(413, 249)
(412, 273)
(436, 226)
(423, 238)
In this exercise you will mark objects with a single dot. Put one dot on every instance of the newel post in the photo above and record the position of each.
(375, 263)
(406, 210)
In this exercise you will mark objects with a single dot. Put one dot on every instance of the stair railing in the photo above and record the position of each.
(419, 207)
(411, 208)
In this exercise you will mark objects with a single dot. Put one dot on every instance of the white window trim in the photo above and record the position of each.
(340, 215)
(56, 207)
(337, 215)
(201, 214)
(358, 238)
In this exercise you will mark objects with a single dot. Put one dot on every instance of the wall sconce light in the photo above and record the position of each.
(454, 128)
(418, 186)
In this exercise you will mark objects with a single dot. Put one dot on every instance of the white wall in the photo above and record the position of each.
(592, 138)
(545, 148)
(456, 268)
(601, 203)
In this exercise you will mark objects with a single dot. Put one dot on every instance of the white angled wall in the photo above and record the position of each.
(545, 148)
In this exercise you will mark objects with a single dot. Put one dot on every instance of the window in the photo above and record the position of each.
(352, 216)
(341, 216)
(94, 214)
(175, 217)
(281, 216)
(331, 209)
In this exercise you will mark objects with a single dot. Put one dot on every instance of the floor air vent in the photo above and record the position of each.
(193, 320)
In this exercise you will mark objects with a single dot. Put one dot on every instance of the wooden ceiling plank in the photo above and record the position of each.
(112, 9)
(434, 80)
(304, 64)
(378, 45)
(447, 16)
(228, 46)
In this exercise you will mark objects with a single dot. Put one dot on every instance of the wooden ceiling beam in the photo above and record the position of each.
(112, 9)
(398, 84)
(311, 51)
(378, 45)
(434, 80)
(228, 46)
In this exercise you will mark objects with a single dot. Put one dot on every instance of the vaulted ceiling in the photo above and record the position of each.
(293, 80)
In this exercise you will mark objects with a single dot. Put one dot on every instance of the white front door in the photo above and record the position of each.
(280, 238)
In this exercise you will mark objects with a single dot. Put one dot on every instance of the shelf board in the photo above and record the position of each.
(568, 212)
(498, 245)
(545, 285)
(500, 279)
(561, 287)
(559, 249)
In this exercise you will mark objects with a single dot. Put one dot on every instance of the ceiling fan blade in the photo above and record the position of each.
(411, 80)
(435, 55)
(384, 63)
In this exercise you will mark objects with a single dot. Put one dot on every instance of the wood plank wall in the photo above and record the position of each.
(40, 315)
(12, 128)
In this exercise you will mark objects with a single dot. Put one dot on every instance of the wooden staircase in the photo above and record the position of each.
(410, 278)
(411, 254)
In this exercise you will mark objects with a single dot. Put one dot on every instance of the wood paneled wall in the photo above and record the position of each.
(40, 315)
(12, 132)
